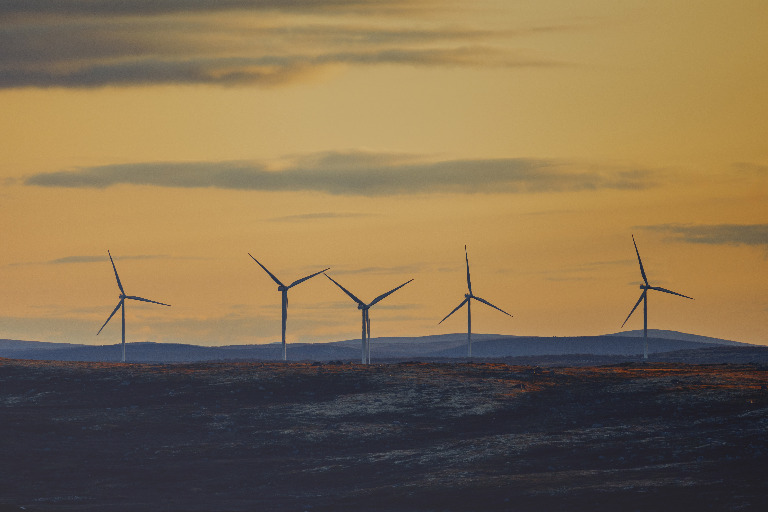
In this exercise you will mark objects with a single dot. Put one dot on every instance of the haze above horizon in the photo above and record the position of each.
(378, 138)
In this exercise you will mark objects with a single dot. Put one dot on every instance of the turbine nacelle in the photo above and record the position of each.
(282, 288)
(363, 306)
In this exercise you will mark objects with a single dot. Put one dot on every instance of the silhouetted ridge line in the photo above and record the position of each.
(437, 348)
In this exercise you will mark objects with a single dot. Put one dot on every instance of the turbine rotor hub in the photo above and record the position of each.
(282, 288)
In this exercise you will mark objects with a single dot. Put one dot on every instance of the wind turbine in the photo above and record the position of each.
(644, 298)
(366, 318)
(467, 301)
(121, 304)
(284, 290)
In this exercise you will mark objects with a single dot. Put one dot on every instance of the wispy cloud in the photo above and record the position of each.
(586, 271)
(378, 270)
(84, 44)
(716, 234)
(65, 260)
(357, 173)
(752, 168)
(75, 259)
(308, 217)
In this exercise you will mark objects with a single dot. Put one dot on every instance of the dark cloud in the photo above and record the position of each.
(356, 174)
(155, 7)
(717, 234)
(155, 71)
(123, 43)
(264, 71)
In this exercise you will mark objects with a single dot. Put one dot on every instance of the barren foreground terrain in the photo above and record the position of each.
(395, 437)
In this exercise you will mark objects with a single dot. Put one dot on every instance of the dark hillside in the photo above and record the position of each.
(396, 437)
(437, 348)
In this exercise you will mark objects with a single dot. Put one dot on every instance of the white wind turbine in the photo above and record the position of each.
(644, 298)
(284, 290)
(467, 301)
(121, 304)
(366, 359)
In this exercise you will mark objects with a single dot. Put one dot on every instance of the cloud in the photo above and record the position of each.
(321, 216)
(717, 234)
(752, 170)
(588, 271)
(378, 270)
(81, 44)
(143, 8)
(98, 259)
(356, 173)
(64, 260)
(76, 259)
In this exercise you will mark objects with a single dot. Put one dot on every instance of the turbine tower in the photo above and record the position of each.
(467, 301)
(121, 304)
(644, 298)
(284, 290)
(362, 306)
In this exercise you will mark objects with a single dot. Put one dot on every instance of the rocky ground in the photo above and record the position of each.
(392, 437)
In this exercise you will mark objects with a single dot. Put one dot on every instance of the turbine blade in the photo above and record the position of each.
(110, 316)
(390, 292)
(119, 284)
(469, 282)
(346, 291)
(634, 308)
(670, 291)
(145, 300)
(267, 271)
(642, 270)
(305, 278)
(489, 304)
(454, 310)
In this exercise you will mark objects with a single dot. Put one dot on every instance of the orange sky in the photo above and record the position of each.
(378, 138)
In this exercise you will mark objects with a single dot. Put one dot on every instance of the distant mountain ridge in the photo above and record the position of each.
(33, 345)
(435, 347)
(675, 335)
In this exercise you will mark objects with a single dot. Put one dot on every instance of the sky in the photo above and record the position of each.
(378, 138)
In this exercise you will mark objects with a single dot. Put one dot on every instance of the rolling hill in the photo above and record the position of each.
(439, 347)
